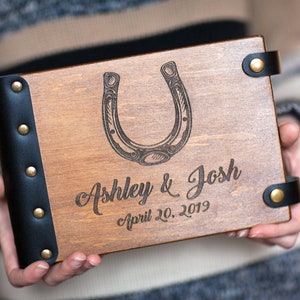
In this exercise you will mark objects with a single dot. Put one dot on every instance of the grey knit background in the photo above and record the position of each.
(16, 14)
(277, 278)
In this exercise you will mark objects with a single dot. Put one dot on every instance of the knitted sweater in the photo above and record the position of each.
(37, 35)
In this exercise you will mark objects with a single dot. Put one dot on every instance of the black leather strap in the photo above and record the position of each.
(26, 191)
(270, 60)
(289, 192)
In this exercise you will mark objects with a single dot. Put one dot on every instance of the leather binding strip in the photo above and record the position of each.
(262, 64)
(25, 188)
(283, 194)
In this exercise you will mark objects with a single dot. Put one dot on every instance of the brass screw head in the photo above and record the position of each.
(23, 129)
(257, 65)
(17, 86)
(31, 171)
(46, 254)
(277, 195)
(39, 213)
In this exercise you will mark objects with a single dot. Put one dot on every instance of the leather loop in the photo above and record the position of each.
(23, 175)
(283, 194)
(269, 63)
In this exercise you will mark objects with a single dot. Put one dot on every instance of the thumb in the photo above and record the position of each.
(289, 134)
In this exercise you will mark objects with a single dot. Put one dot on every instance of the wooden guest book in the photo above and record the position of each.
(143, 150)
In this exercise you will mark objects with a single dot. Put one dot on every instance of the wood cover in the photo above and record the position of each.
(157, 148)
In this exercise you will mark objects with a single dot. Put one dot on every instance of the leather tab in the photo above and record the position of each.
(23, 175)
(283, 194)
(262, 64)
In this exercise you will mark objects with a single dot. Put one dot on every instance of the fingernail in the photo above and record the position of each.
(243, 233)
(231, 234)
(41, 269)
(93, 263)
(78, 261)
(255, 235)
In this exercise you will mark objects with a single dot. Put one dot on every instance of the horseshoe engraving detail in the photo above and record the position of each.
(147, 154)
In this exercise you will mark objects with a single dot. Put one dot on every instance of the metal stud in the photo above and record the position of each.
(277, 195)
(46, 254)
(17, 86)
(31, 171)
(39, 213)
(23, 129)
(257, 65)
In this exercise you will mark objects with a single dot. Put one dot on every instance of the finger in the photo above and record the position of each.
(270, 231)
(75, 264)
(16, 276)
(29, 276)
(286, 242)
(91, 262)
(290, 141)
(65, 270)
(239, 233)
(289, 133)
(1, 187)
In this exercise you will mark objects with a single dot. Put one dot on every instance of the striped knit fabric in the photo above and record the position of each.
(17, 14)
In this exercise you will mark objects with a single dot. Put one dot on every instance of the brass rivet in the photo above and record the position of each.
(31, 171)
(257, 65)
(23, 129)
(39, 213)
(46, 254)
(17, 86)
(277, 195)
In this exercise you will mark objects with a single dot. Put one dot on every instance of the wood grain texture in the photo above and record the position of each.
(213, 184)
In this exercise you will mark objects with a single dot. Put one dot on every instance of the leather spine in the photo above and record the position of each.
(25, 191)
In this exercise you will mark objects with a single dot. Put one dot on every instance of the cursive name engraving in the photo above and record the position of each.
(198, 177)
(100, 194)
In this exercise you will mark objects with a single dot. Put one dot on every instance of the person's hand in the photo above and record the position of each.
(76, 264)
(282, 234)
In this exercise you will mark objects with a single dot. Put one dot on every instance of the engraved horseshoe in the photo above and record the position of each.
(147, 154)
